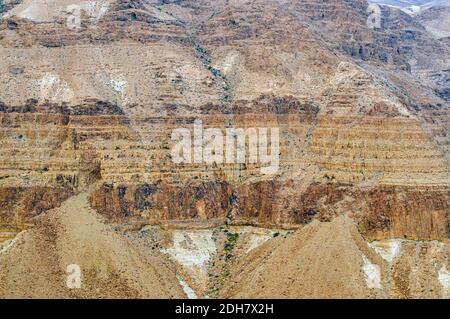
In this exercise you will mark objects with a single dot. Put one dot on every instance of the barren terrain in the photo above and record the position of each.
(92, 91)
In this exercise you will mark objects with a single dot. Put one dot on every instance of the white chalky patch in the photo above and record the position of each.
(228, 63)
(44, 10)
(444, 279)
(28, 12)
(400, 108)
(192, 248)
(257, 240)
(53, 89)
(412, 10)
(256, 236)
(95, 9)
(118, 85)
(7, 245)
(387, 249)
(158, 13)
(10, 243)
(48, 80)
(187, 290)
(372, 274)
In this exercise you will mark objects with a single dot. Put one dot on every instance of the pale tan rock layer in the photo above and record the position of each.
(367, 166)
(363, 115)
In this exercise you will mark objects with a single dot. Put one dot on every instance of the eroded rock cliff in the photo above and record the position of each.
(363, 114)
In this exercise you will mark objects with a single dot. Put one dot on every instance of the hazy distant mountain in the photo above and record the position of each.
(409, 3)
(413, 7)
(433, 15)
(436, 20)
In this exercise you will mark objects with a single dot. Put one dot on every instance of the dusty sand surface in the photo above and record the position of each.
(332, 260)
(35, 265)
(320, 260)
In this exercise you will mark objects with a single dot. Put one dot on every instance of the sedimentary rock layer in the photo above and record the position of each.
(363, 114)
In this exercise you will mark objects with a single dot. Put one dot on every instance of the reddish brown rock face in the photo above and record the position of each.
(20, 205)
(382, 212)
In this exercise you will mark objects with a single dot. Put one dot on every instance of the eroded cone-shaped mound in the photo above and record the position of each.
(320, 260)
(111, 267)
(332, 260)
